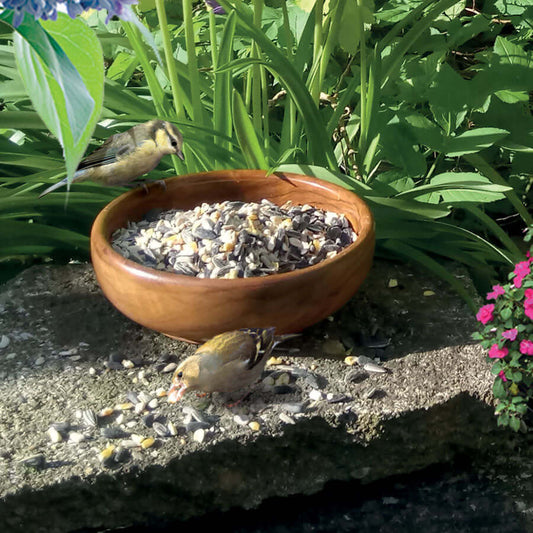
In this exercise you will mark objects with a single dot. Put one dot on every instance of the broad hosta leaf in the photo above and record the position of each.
(512, 53)
(459, 186)
(472, 141)
(74, 47)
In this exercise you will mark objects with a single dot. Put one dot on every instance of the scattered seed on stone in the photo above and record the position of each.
(153, 403)
(106, 411)
(195, 425)
(106, 455)
(124, 406)
(76, 437)
(113, 432)
(169, 368)
(4, 342)
(199, 435)
(62, 427)
(161, 429)
(54, 435)
(88, 417)
(147, 443)
(355, 376)
(122, 454)
(194, 413)
(315, 395)
(242, 420)
(254, 425)
(286, 418)
(36, 462)
(247, 239)
(294, 407)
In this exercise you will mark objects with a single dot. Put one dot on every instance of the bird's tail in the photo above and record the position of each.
(278, 339)
(54, 187)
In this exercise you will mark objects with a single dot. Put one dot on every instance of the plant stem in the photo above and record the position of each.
(213, 37)
(364, 96)
(169, 58)
(192, 62)
(158, 96)
(289, 117)
(317, 50)
(256, 72)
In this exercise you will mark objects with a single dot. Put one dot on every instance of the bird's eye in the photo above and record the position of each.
(180, 375)
(174, 143)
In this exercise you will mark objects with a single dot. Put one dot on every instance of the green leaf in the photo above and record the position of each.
(399, 148)
(514, 423)
(223, 83)
(506, 313)
(427, 133)
(333, 177)
(74, 51)
(349, 35)
(473, 187)
(246, 135)
(511, 53)
(472, 141)
(498, 389)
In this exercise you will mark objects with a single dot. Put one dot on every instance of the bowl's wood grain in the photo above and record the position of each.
(196, 309)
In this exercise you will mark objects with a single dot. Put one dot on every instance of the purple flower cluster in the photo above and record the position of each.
(47, 9)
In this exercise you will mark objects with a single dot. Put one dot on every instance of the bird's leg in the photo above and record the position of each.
(234, 404)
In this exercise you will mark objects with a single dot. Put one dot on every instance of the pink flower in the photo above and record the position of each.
(484, 314)
(528, 293)
(526, 347)
(501, 375)
(528, 308)
(521, 270)
(510, 334)
(497, 353)
(497, 290)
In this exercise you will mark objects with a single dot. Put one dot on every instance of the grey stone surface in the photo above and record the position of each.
(66, 343)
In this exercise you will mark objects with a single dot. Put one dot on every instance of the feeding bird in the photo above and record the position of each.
(226, 363)
(128, 155)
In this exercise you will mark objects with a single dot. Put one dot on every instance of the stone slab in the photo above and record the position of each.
(66, 345)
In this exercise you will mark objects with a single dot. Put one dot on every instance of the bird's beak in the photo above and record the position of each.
(179, 153)
(176, 392)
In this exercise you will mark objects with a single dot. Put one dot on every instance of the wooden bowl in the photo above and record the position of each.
(194, 309)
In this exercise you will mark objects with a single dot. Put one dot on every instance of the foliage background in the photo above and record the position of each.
(421, 107)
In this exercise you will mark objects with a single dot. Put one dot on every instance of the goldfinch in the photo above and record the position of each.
(228, 362)
(128, 155)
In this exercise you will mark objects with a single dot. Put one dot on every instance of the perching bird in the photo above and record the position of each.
(128, 155)
(228, 362)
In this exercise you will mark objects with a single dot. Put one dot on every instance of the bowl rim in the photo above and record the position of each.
(165, 277)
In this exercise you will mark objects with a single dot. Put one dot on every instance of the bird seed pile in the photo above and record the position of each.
(234, 239)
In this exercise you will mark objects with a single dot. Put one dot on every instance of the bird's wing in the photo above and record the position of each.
(114, 148)
(242, 347)
(264, 342)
